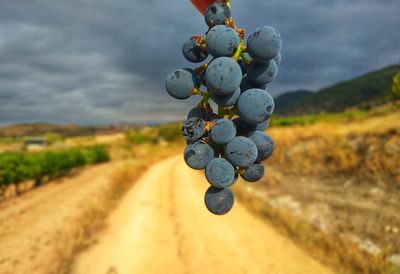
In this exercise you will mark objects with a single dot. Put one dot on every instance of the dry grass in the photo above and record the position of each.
(338, 247)
(370, 148)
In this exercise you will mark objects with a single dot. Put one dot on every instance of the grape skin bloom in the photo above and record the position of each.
(181, 82)
(223, 75)
(255, 106)
(253, 173)
(264, 143)
(262, 73)
(241, 151)
(220, 173)
(223, 131)
(198, 155)
(216, 14)
(222, 41)
(219, 201)
(227, 100)
(264, 44)
(193, 52)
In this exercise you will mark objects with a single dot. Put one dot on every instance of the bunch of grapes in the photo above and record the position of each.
(231, 142)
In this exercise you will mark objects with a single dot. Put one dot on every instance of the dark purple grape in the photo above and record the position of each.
(264, 44)
(198, 155)
(246, 85)
(262, 73)
(193, 52)
(241, 151)
(223, 131)
(278, 59)
(244, 128)
(255, 106)
(217, 13)
(253, 173)
(181, 82)
(194, 129)
(201, 113)
(226, 100)
(222, 41)
(264, 143)
(223, 76)
(219, 201)
(220, 173)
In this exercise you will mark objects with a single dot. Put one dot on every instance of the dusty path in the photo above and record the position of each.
(31, 226)
(162, 226)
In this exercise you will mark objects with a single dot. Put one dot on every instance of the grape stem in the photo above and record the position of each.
(245, 58)
(200, 41)
(241, 170)
(232, 112)
(241, 48)
(201, 69)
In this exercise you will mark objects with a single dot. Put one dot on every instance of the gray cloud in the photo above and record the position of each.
(100, 62)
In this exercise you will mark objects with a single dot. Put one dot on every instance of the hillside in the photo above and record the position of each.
(21, 130)
(362, 90)
(291, 98)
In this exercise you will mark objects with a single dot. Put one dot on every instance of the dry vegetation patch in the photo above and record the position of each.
(335, 188)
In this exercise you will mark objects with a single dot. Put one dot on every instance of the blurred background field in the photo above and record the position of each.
(332, 185)
(92, 177)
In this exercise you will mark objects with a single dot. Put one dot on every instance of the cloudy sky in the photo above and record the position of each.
(104, 61)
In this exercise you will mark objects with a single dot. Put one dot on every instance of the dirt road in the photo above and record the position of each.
(34, 227)
(162, 226)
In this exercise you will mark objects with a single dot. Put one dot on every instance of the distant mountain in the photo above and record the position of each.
(369, 88)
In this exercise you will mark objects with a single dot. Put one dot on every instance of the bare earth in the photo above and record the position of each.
(162, 226)
(31, 225)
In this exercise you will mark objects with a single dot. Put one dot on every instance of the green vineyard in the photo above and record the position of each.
(17, 167)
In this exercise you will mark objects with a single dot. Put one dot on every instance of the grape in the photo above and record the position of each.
(264, 44)
(220, 173)
(222, 41)
(262, 73)
(219, 201)
(197, 155)
(264, 143)
(246, 85)
(200, 113)
(227, 100)
(244, 128)
(223, 75)
(181, 82)
(278, 59)
(253, 173)
(194, 129)
(193, 52)
(241, 151)
(217, 13)
(223, 131)
(255, 106)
